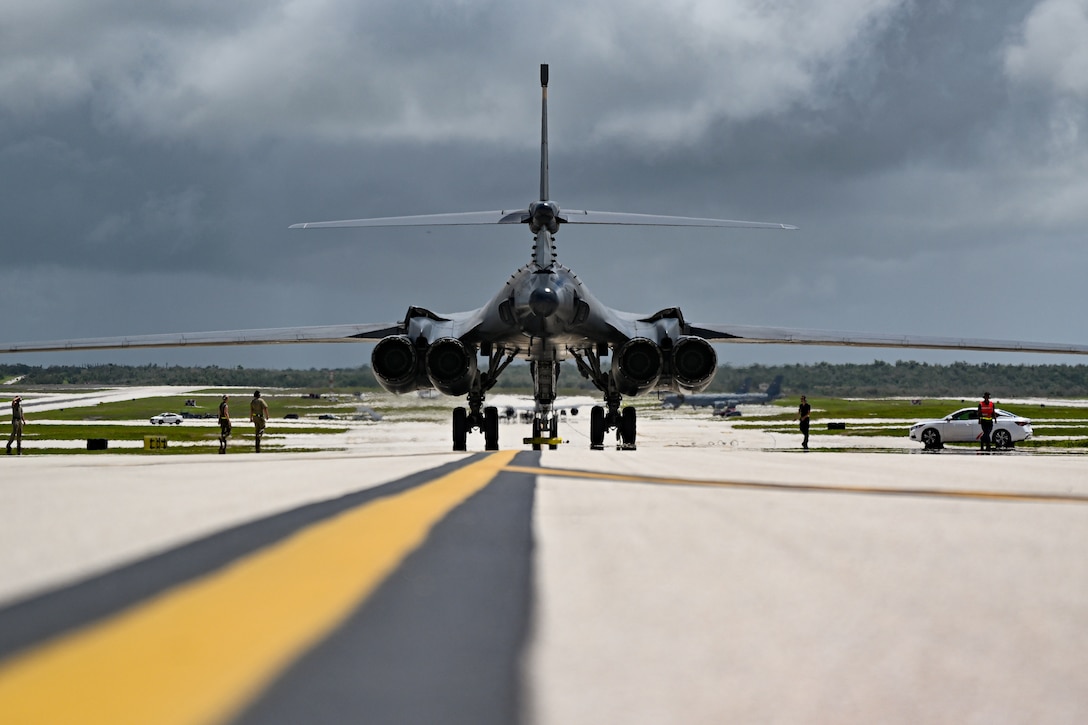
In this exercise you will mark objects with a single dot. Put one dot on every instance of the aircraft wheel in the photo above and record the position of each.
(596, 427)
(460, 429)
(554, 432)
(931, 438)
(536, 433)
(627, 427)
(491, 428)
(1001, 439)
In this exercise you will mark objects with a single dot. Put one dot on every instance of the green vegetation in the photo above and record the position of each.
(876, 379)
(1054, 426)
(878, 399)
(184, 433)
(197, 435)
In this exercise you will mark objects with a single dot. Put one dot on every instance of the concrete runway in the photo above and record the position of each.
(698, 579)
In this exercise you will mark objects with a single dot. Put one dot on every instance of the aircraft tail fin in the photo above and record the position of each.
(543, 213)
(544, 196)
(775, 388)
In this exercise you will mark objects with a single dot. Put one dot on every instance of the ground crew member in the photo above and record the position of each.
(17, 423)
(224, 425)
(258, 413)
(986, 420)
(802, 414)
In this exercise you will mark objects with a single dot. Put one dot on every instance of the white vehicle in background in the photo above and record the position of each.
(166, 419)
(963, 427)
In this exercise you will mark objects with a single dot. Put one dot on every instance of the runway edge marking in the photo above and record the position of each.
(203, 650)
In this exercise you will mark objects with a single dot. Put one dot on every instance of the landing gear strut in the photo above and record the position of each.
(477, 417)
(545, 418)
(610, 416)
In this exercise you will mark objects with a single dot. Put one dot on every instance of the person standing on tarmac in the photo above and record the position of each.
(17, 423)
(803, 411)
(258, 413)
(224, 425)
(986, 420)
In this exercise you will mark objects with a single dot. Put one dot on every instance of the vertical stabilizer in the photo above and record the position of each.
(544, 196)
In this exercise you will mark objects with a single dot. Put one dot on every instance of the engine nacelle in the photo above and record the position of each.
(637, 366)
(397, 366)
(451, 366)
(694, 363)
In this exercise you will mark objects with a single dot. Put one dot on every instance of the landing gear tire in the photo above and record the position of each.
(536, 433)
(491, 428)
(460, 429)
(596, 428)
(554, 432)
(627, 428)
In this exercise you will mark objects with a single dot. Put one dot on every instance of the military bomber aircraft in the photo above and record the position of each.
(543, 314)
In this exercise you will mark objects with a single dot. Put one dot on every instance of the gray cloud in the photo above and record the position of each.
(929, 151)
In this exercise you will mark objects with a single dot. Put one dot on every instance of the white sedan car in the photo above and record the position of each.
(166, 419)
(963, 427)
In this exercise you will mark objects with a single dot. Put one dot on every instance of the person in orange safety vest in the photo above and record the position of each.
(986, 415)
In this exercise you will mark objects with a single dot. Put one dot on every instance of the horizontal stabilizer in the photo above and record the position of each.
(656, 220)
(425, 220)
(521, 217)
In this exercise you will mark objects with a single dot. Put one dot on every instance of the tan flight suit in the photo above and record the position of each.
(17, 421)
(258, 413)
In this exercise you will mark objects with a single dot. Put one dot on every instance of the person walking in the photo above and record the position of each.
(986, 420)
(803, 411)
(17, 423)
(224, 425)
(258, 413)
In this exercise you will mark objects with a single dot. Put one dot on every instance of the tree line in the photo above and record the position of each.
(903, 378)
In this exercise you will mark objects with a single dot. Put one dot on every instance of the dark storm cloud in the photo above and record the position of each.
(921, 147)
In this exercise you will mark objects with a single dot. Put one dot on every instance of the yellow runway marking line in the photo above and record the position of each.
(200, 652)
(929, 492)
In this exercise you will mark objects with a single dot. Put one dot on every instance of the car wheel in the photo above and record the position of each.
(1002, 438)
(931, 438)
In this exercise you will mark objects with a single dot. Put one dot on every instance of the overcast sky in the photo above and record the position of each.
(932, 154)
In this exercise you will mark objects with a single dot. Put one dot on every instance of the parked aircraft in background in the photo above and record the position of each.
(526, 410)
(721, 401)
(543, 314)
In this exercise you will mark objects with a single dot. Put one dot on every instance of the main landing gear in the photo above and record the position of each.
(486, 422)
(476, 416)
(622, 421)
(610, 416)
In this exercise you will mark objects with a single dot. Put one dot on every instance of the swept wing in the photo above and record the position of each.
(796, 336)
(263, 336)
